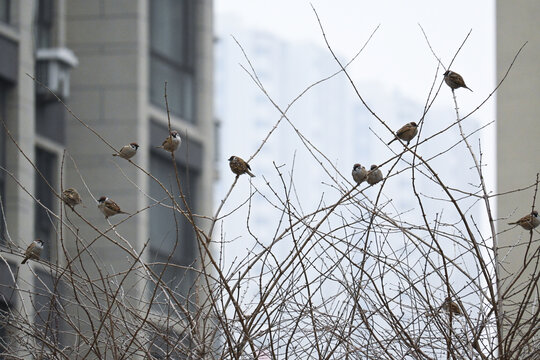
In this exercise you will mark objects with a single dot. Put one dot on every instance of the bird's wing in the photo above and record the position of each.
(524, 219)
(112, 206)
(402, 130)
(457, 78)
(29, 249)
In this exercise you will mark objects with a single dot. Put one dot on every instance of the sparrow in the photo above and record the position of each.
(172, 142)
(239, 166)
(374, 175)
(359, 173)
(406, 133)
(127, 151)
(454, 80)
(71, 197)
(109, 207)
(33, 251)
(528, 222)
(451, 307)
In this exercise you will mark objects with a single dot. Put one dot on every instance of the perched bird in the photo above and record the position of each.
(33, 251)
(359, 173)
(71, 197)
(127, 151)
(451, 307)
(374, 175)
(239, 166)
(172, 142)
(109, 207)
(528, 222)
(406, 133)
(454, 80)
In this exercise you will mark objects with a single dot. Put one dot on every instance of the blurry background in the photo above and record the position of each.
(109, 60)
(394, 74)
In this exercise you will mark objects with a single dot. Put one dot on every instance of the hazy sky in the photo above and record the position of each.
(397, 58)
(398, 55)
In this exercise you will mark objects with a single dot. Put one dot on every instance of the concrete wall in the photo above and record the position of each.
(518, 134)
(109, 95)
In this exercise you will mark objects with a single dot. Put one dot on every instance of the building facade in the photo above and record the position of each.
(518, 168)
(108, 62)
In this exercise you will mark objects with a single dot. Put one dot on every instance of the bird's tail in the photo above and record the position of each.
(514, 223)
(391, 141)
(250, 173)
(24, 260)
(115, 155)
(123, 212)
(468, 88)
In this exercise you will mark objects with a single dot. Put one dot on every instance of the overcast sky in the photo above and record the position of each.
(397, 57)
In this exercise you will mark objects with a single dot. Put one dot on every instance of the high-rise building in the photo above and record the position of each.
(108, 61)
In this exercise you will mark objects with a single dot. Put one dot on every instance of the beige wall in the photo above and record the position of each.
(518, 137)
(110, 92)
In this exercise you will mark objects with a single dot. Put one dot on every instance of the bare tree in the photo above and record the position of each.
(354, 277)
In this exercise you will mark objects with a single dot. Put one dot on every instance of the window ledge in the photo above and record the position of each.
(9, 32)
(160, 116)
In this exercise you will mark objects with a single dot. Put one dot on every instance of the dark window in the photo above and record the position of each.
(172, 238)
(45, 18)
(8, 299)
(170, 345)
(4, 324)
(4, 11)
(47, 320)
(3, 91)
(171, 55)
(44, 222)
(51, 122)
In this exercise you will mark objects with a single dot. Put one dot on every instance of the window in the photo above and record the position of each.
(4, 324)
(170, 345)
(44, 225)
(172, 238)
(8, 300)
(47, 319)
(4, 11)
(3, 91)
(171, 55)
(45, 17)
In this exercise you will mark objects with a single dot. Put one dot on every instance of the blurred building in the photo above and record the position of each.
(109, 61)
(518, 144)
(285, 69)
(329, 115)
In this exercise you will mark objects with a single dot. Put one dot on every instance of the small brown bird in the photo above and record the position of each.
(127, 151)
(33, 251)
(454, 80)
(359, 173)
(451, 307)
(239, 166)
(109, 207)
(374, 175)
(172, 142)
(71, 197)
(528, 222)
(406, 133)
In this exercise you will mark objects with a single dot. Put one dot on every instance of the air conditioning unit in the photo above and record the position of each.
(52, 70)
